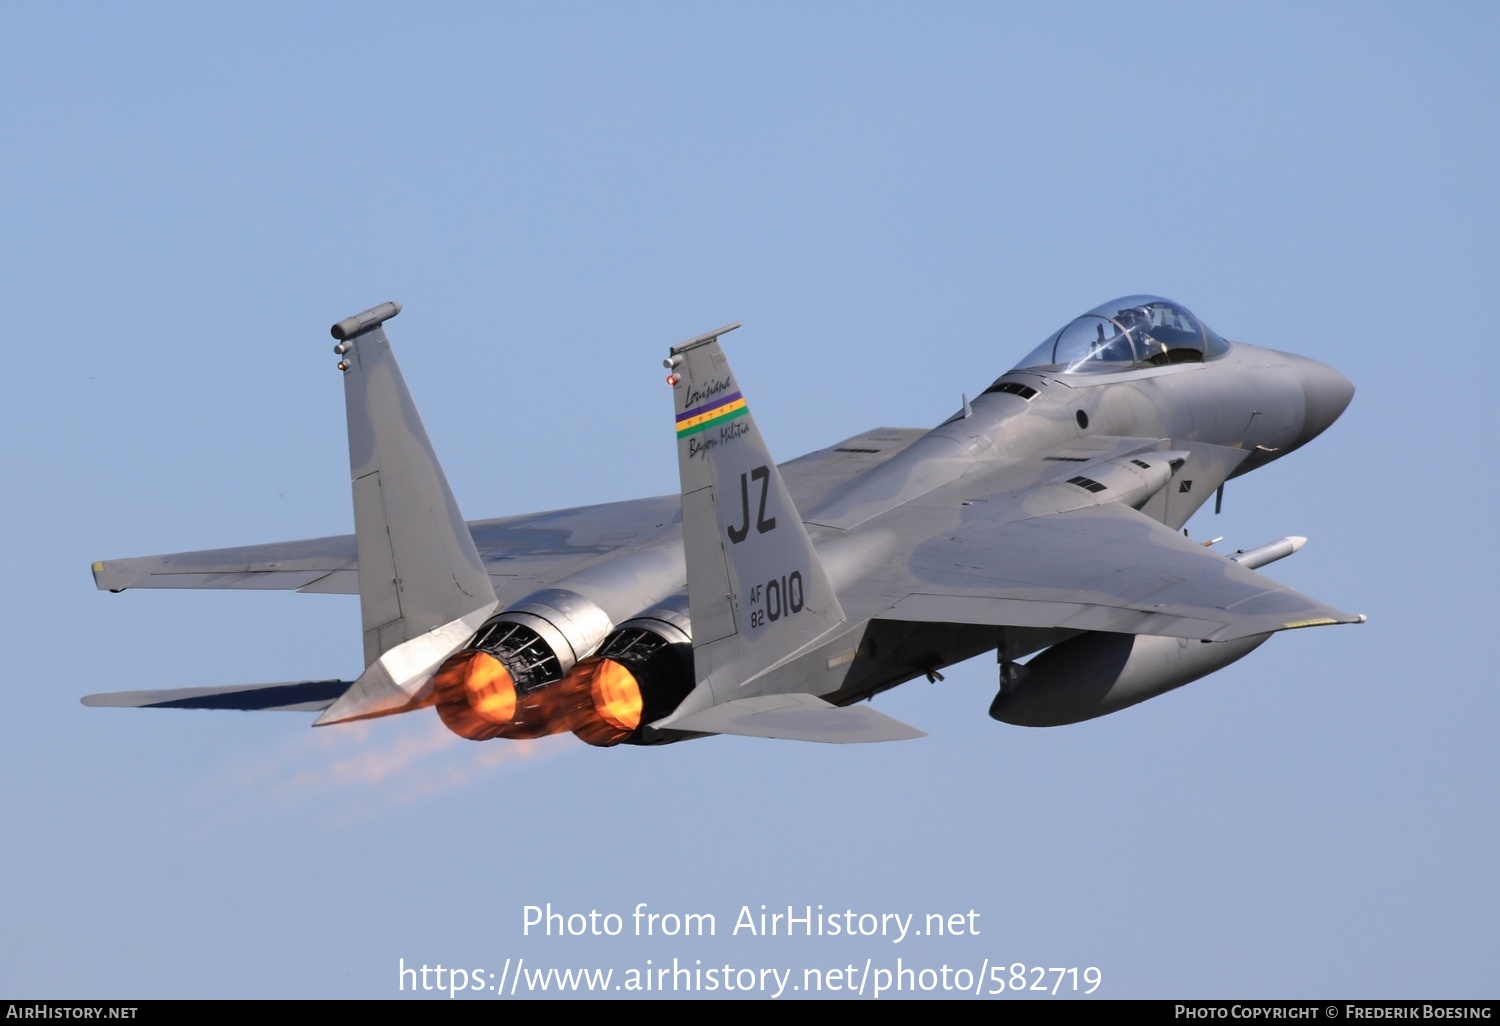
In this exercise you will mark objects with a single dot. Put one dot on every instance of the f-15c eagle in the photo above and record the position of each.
(769, 599)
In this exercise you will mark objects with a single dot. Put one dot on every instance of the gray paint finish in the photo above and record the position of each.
(1046, 511)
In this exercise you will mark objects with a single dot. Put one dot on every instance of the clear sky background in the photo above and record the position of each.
(899, 201)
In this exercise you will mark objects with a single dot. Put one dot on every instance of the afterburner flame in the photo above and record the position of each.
(475, 695)
(490, 690)
(616, 695)
(600, 700)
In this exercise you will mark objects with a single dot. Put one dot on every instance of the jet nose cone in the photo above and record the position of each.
(1326, 394)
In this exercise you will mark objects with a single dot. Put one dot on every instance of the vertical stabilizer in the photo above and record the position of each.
(756, 590)
(422, 586)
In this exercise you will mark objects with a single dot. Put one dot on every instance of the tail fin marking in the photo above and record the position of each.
(756, 589)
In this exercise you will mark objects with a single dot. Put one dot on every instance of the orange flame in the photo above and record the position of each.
(603, 701)
(475, 695)
(616, 695)
(599, 700)
(491, 692)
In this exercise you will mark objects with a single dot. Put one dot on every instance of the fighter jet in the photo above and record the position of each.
(1043, 519)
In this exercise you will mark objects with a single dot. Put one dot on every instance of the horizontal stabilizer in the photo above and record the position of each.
(292, 696)
(797, 718)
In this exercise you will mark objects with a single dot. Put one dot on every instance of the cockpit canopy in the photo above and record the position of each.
(1125, 334)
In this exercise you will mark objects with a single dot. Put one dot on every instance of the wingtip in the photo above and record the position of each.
(110, 577)
(101, 582)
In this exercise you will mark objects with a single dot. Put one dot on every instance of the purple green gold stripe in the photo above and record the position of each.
(701, 418)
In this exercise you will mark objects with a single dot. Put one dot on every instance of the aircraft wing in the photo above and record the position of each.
(521, 553)
(281, 566)
(1098, 568)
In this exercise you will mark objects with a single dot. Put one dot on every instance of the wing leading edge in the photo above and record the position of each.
(1100, 568)
(520, 553)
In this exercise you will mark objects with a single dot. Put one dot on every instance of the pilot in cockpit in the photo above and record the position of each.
(1137, 321)
(1112, 346)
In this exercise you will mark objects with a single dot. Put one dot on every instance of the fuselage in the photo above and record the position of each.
(763, 596)
(1231, 413)
(1156, 408)
(1259, 401)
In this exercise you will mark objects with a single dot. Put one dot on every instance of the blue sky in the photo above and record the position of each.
(898, 201)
